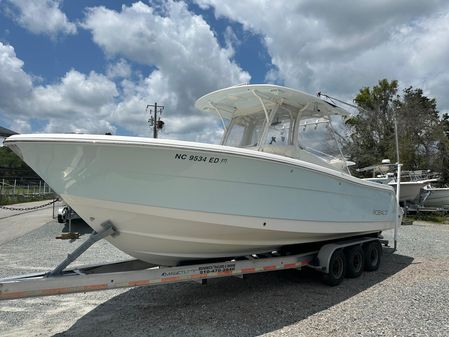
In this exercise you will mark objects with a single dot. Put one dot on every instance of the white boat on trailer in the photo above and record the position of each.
(435, 196)
(410, 190)
(345, 258)
(174, 201)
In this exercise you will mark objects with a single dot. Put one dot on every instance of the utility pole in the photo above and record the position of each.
(156, 123)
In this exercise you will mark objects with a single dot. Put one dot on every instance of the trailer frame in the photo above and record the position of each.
(132, 273)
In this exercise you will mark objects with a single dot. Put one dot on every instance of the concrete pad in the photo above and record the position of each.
(14, 224)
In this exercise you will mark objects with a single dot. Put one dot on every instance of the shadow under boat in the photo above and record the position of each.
(78, 226)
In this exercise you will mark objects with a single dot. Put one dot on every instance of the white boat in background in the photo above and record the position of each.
(385, 179)
(173, 201)
(436, 197)
(409, 191)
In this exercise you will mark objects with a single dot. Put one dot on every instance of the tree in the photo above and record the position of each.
(420, 129)
(444, 148)
(12, 167)
(423, 143)
(372, 130)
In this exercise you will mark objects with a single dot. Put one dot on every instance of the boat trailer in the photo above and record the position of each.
(336, 260)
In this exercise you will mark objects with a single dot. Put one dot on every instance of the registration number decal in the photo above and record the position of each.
(200, 158)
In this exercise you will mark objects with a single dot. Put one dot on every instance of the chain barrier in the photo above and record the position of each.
(28, 208)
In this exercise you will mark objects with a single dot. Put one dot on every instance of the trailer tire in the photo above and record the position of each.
(373, 253)
(336, 270)
(355, 261)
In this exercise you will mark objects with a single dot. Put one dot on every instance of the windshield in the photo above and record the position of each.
(313, 135)
(280, 130)
(245, 131)
(318, 137)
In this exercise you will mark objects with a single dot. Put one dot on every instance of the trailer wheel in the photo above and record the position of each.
(337, 267)
(373, 253)
(354, 261)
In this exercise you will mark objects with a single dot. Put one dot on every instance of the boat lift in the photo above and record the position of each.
(336, 260)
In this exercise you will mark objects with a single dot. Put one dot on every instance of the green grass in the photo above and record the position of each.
(17, 199)
(437, 217)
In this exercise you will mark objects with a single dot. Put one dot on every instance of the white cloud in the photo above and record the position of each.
(41, 17)
(76, 93)
(21, 126)
(75, 125)
(181, 54)
(15, 84)
(200, 128)
(131, 111)
(120, 69)
(333, 47)
(183, 48)
(231, 40)
(339, 47)
(91, 103)
(77, 103)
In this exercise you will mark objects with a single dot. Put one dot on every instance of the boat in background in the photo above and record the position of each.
(172, 201)
(409, 191)
(435, 196)
(411, 181)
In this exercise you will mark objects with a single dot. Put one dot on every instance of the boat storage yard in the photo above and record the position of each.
(407, 296)
(223, 266)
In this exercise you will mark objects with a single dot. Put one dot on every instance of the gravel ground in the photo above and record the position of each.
(408, 296)
(23, 222)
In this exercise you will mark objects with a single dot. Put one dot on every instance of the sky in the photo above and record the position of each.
(92, 66)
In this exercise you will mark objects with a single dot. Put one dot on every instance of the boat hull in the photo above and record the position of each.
(410, 190)
(173, 201)
(438, 197)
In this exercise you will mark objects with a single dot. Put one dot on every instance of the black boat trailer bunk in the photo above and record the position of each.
(347, 258)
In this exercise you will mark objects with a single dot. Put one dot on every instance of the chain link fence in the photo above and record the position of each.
(17, 190)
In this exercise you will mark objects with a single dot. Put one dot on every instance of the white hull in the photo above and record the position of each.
(410, 190)
(438, 197)
(144, 232)
(226, 202)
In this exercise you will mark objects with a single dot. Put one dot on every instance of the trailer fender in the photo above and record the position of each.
(325, 253)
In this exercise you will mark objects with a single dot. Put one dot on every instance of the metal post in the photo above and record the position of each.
(14, 189)
(39, 187)
(398, 186)
(69, 212)
(155, 121)
(398, 208)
